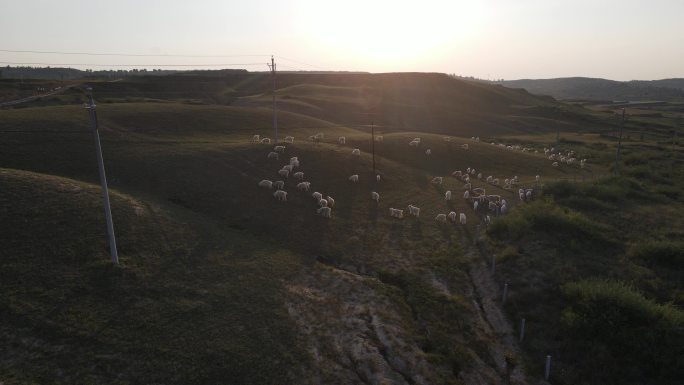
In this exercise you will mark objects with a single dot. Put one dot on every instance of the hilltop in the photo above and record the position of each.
(580, 88)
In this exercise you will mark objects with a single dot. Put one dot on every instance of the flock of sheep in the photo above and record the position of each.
(476, 197)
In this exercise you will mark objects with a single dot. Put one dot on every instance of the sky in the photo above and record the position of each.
(488, 39)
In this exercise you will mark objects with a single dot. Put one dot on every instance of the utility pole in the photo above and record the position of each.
(373, 148)
(617, 153)
(275, 111)
(103, 179)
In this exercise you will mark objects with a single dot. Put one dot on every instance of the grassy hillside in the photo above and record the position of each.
(578, 88)
(258, 291)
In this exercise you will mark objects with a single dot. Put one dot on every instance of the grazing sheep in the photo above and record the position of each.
(466, 194)
(379, 138)
(467, 186)
(452, 216)
(468, 170)
(396, 213)
(428, 152)
(323, 203)
(462, 218)
(464, 146)
(521, 195)
(287, 167)
(303, 186)
(284, 173)
(437, 180)
(488, 219)
(554, 164)
(294, 159)
(377, 178)
(356, 152)
(299, 175)
(266, 183)
(495, 181)
(265, 141)
(279, 149)
(503, 209)
(414, 143)
(317, 196)
(475, 205)
(413, 210)
(331, 201)
(280, 195)
(441, 218)
(447, 195)
(294, 163)
(289, 139)
(325, 212)
(528, 194)
(279, 184)
(375, 196)
(447, 139)
(272, 155)
(354, 178)
(256, 139)
(490, 179)
(342, 140)
(456, 173)
(479, 176)
(477, 138)
(465, 178)
(479, 190)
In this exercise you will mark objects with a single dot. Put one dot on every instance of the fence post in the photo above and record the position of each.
(547, 368)
(522, 329)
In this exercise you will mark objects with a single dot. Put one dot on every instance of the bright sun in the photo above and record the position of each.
(380, 30)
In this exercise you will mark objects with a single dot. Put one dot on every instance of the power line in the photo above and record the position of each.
(136, 65)
(122, 54)
(302, 63)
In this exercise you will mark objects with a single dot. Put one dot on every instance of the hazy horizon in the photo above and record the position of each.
(493, 39)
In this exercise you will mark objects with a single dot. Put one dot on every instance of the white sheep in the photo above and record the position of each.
(488, 219)
(279, 184)
(466, 194)
(289, 139)
(447, 195)
(441, 218)
(477, 138)
(325, 212)
(503, 209)
(287, 167)
(475, 205)
(356, 152)
(342, 140)
(379, 138)
(413, 210)
(280, 195)
(279, 149)
(428, 152)
(452, 216)
(375, 196)
(284, 173)
(317, 196)
(479, 176)
(447, 139)
(456, 173)
(396, 213)
(521, 195)
(272, 155)
(294, 164)
(479, 190)
(464, 146)
(266, 183)
(377, 178)
(528, 194)
(323, 203)
(303, 186)
(331, 201)
(256, 139)
(265, 141)
(437, 180)
(554, 164)
(299, 175)
(354, 178)
(462, 218)
(294, 159)
(467, 186)
(495, 181)
(491, 178)
(468, 170)
(472, 172)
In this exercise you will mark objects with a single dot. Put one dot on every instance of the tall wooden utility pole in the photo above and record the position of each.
(275, 111)
(617, 153)
(373, 148)
(103, 179)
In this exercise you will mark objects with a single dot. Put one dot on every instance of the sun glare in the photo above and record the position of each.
(410, 32)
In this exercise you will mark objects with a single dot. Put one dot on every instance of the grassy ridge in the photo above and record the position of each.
(184, 306)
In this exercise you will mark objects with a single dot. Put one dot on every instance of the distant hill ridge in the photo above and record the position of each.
(602, 89)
